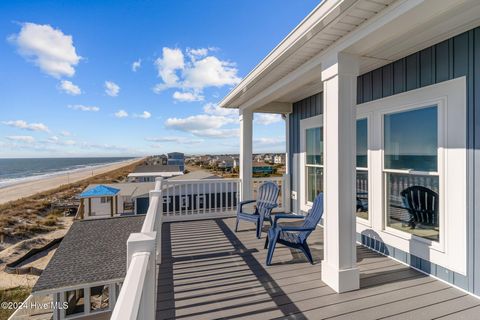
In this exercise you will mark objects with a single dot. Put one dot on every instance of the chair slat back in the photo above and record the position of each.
(267, 195)
(422, 204)
(313, 216)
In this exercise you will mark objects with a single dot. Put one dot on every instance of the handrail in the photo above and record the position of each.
(202, 180)
(128, 302)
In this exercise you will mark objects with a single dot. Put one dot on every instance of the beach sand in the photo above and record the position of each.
(29, 188)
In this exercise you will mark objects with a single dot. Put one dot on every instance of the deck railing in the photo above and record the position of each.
(175, 200)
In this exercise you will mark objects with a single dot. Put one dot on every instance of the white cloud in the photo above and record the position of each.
(24, 139)
(175, 139)
(268, 141)
(48, 48)
(111, 88)
(214, 109)
(70, 88)
(187, 96)
(171, 61)
(136, 65)
(66, 133)
(57, 141)
(267, 118)
(194, 74)
(83, 108)
(143, 115)
(28, 126)
(121, 114)
(203, 125)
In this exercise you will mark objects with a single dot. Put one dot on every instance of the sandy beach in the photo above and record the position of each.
(28, 188)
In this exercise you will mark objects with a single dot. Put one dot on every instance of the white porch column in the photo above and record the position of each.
(339, 267)
(246, 136)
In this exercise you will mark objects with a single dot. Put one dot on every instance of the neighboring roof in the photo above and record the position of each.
(200, 174)
(129, 189)
(158, 168)
(92, 251)
(261, 164)
(99, 191)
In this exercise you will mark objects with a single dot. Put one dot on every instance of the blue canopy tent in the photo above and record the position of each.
(98, 192)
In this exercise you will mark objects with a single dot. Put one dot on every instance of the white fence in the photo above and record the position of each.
(176, 200)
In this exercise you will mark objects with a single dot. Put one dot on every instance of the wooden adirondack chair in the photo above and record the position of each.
(266, 200)
(422, 205)
(294, 236)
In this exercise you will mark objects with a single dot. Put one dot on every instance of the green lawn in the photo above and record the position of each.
(18, 294)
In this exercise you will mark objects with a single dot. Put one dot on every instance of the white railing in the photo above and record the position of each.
(137, 299)
(176, 200)
(199, 199)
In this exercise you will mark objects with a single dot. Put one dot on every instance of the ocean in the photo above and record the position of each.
(13, 171)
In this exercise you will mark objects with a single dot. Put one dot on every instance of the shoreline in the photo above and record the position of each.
(33, 186)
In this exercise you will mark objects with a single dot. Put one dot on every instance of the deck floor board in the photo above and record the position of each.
(210, 272)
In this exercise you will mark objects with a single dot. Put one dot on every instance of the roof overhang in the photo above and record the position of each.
(376, 31)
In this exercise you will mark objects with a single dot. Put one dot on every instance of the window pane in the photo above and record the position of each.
(314, 145)
(362, 194)
(362, 143)
(314, 182)
(412, 204)
(76, 302)
(99, 297)
(411, 140)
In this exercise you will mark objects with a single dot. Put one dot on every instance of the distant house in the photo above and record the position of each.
(148, 173)
(262, 168)
(176, 158)
(279, 159)
(268, 158)
(108, 200)
(87, 270)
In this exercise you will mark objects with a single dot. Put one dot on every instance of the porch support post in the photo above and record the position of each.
(339, 267)
(246, 136)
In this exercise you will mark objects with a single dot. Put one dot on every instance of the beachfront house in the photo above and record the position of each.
(148, 173)
(108, 200)
(381, 100)
(176, 159)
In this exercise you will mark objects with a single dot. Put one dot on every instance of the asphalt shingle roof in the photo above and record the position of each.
(92, 251)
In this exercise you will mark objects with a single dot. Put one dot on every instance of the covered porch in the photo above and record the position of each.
(210, 272)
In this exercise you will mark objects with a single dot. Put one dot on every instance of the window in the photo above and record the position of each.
(76, 302)
(99, 298)
(411, 171)
(314, 162)
(361, 181)
(105, 199)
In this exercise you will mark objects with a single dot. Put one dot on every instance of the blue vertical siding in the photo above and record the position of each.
(306, 108)
(455, 57)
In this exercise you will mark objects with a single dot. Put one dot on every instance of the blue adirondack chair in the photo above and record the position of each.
(294, 236)
(266, 200)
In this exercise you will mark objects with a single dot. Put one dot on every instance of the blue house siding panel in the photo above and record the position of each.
(306, 108)
(455, 57)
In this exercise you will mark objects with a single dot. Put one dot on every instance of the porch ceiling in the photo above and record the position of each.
(210, 272)
(378, 31)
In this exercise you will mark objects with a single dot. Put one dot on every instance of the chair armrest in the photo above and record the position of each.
(271, 205)
(242, 203)
(293, 228)
(285, 216)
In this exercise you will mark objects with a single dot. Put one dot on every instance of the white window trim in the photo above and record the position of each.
(308, 123)
(368, 116)
(450, 97)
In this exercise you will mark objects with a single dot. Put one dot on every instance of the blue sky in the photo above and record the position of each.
(69, 85)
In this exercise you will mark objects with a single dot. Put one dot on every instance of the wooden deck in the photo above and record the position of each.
(211, 272)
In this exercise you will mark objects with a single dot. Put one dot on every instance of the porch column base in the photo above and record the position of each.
(340, 280)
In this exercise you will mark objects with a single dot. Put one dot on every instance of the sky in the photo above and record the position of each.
(131, 78)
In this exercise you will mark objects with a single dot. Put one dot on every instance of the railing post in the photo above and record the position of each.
(286, 190)
(159, 220)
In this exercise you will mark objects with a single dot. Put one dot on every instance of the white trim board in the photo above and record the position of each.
(450, 97)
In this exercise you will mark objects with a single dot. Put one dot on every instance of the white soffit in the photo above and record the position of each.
(327, 23)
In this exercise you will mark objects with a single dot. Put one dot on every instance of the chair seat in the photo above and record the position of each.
(253, 217)
(292, 237)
